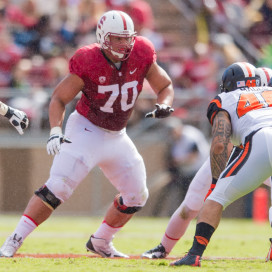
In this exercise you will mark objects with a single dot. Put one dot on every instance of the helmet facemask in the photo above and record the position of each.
(119, 49)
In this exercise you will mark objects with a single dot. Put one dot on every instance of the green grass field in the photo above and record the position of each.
(237, 245)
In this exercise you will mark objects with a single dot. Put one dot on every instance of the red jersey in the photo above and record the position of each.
(109, 93)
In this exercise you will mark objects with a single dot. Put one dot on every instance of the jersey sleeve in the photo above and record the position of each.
(214, 107)
(150, 50)
(145, 50)
(77, 63)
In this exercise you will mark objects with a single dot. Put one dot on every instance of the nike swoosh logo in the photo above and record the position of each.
(27, 223)
(88, 130)
(132, 72)
(106, 254)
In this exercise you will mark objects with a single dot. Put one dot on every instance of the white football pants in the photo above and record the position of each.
(91, 146)
(248, 171)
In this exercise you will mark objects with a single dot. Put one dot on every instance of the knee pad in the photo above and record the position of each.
(61, 187)
(48, 197)
(119, 205)
(135, 199)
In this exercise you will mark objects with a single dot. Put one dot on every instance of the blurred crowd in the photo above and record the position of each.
(225, 31)
(38, 38)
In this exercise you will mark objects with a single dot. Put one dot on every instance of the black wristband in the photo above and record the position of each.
(9, 113)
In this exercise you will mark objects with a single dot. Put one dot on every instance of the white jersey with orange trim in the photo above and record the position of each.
(249, 109)
(250, 112)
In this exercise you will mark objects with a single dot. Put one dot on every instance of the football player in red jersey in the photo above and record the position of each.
(17, 118)
(110, 75)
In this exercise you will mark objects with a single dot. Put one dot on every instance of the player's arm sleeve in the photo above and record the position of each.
(77, 63)
(148, 51)
(214, 107)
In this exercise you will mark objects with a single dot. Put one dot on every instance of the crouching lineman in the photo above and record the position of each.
(197, 191)
(110, 75)
(243, 115)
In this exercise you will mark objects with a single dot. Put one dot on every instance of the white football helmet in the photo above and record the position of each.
(118, 24)
(265, 75)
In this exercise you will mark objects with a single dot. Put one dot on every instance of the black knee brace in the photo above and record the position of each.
(48, 197)
(119, 205)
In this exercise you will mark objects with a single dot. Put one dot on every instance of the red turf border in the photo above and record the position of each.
(135, 257)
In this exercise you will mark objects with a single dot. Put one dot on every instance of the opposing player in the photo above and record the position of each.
(201, 185)
(17, 118)
(242, 115)
(110, 75)
(269, 254)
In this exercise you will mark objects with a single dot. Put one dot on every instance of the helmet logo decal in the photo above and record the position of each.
(102, 20)
(102, 79)
(251, 83)
(248, 83)
(241, 84)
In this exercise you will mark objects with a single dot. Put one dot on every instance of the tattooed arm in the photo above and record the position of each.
(221, 132)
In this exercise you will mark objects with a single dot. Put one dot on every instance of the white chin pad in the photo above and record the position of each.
(118, 55)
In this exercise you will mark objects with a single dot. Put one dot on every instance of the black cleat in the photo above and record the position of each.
(189, 259)
(157, 252)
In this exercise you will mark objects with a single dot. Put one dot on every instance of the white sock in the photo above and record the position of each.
(106, 232)
(176, 229)
(25, 226)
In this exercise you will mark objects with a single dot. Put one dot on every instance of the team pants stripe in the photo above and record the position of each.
(236, 151)
(237, 164)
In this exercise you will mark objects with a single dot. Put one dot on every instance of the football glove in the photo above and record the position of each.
(161, 111)
(55, 140)
(18, 119)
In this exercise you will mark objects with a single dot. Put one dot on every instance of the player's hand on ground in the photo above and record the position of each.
(55, 140)
(18, 119)
(161, 111)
